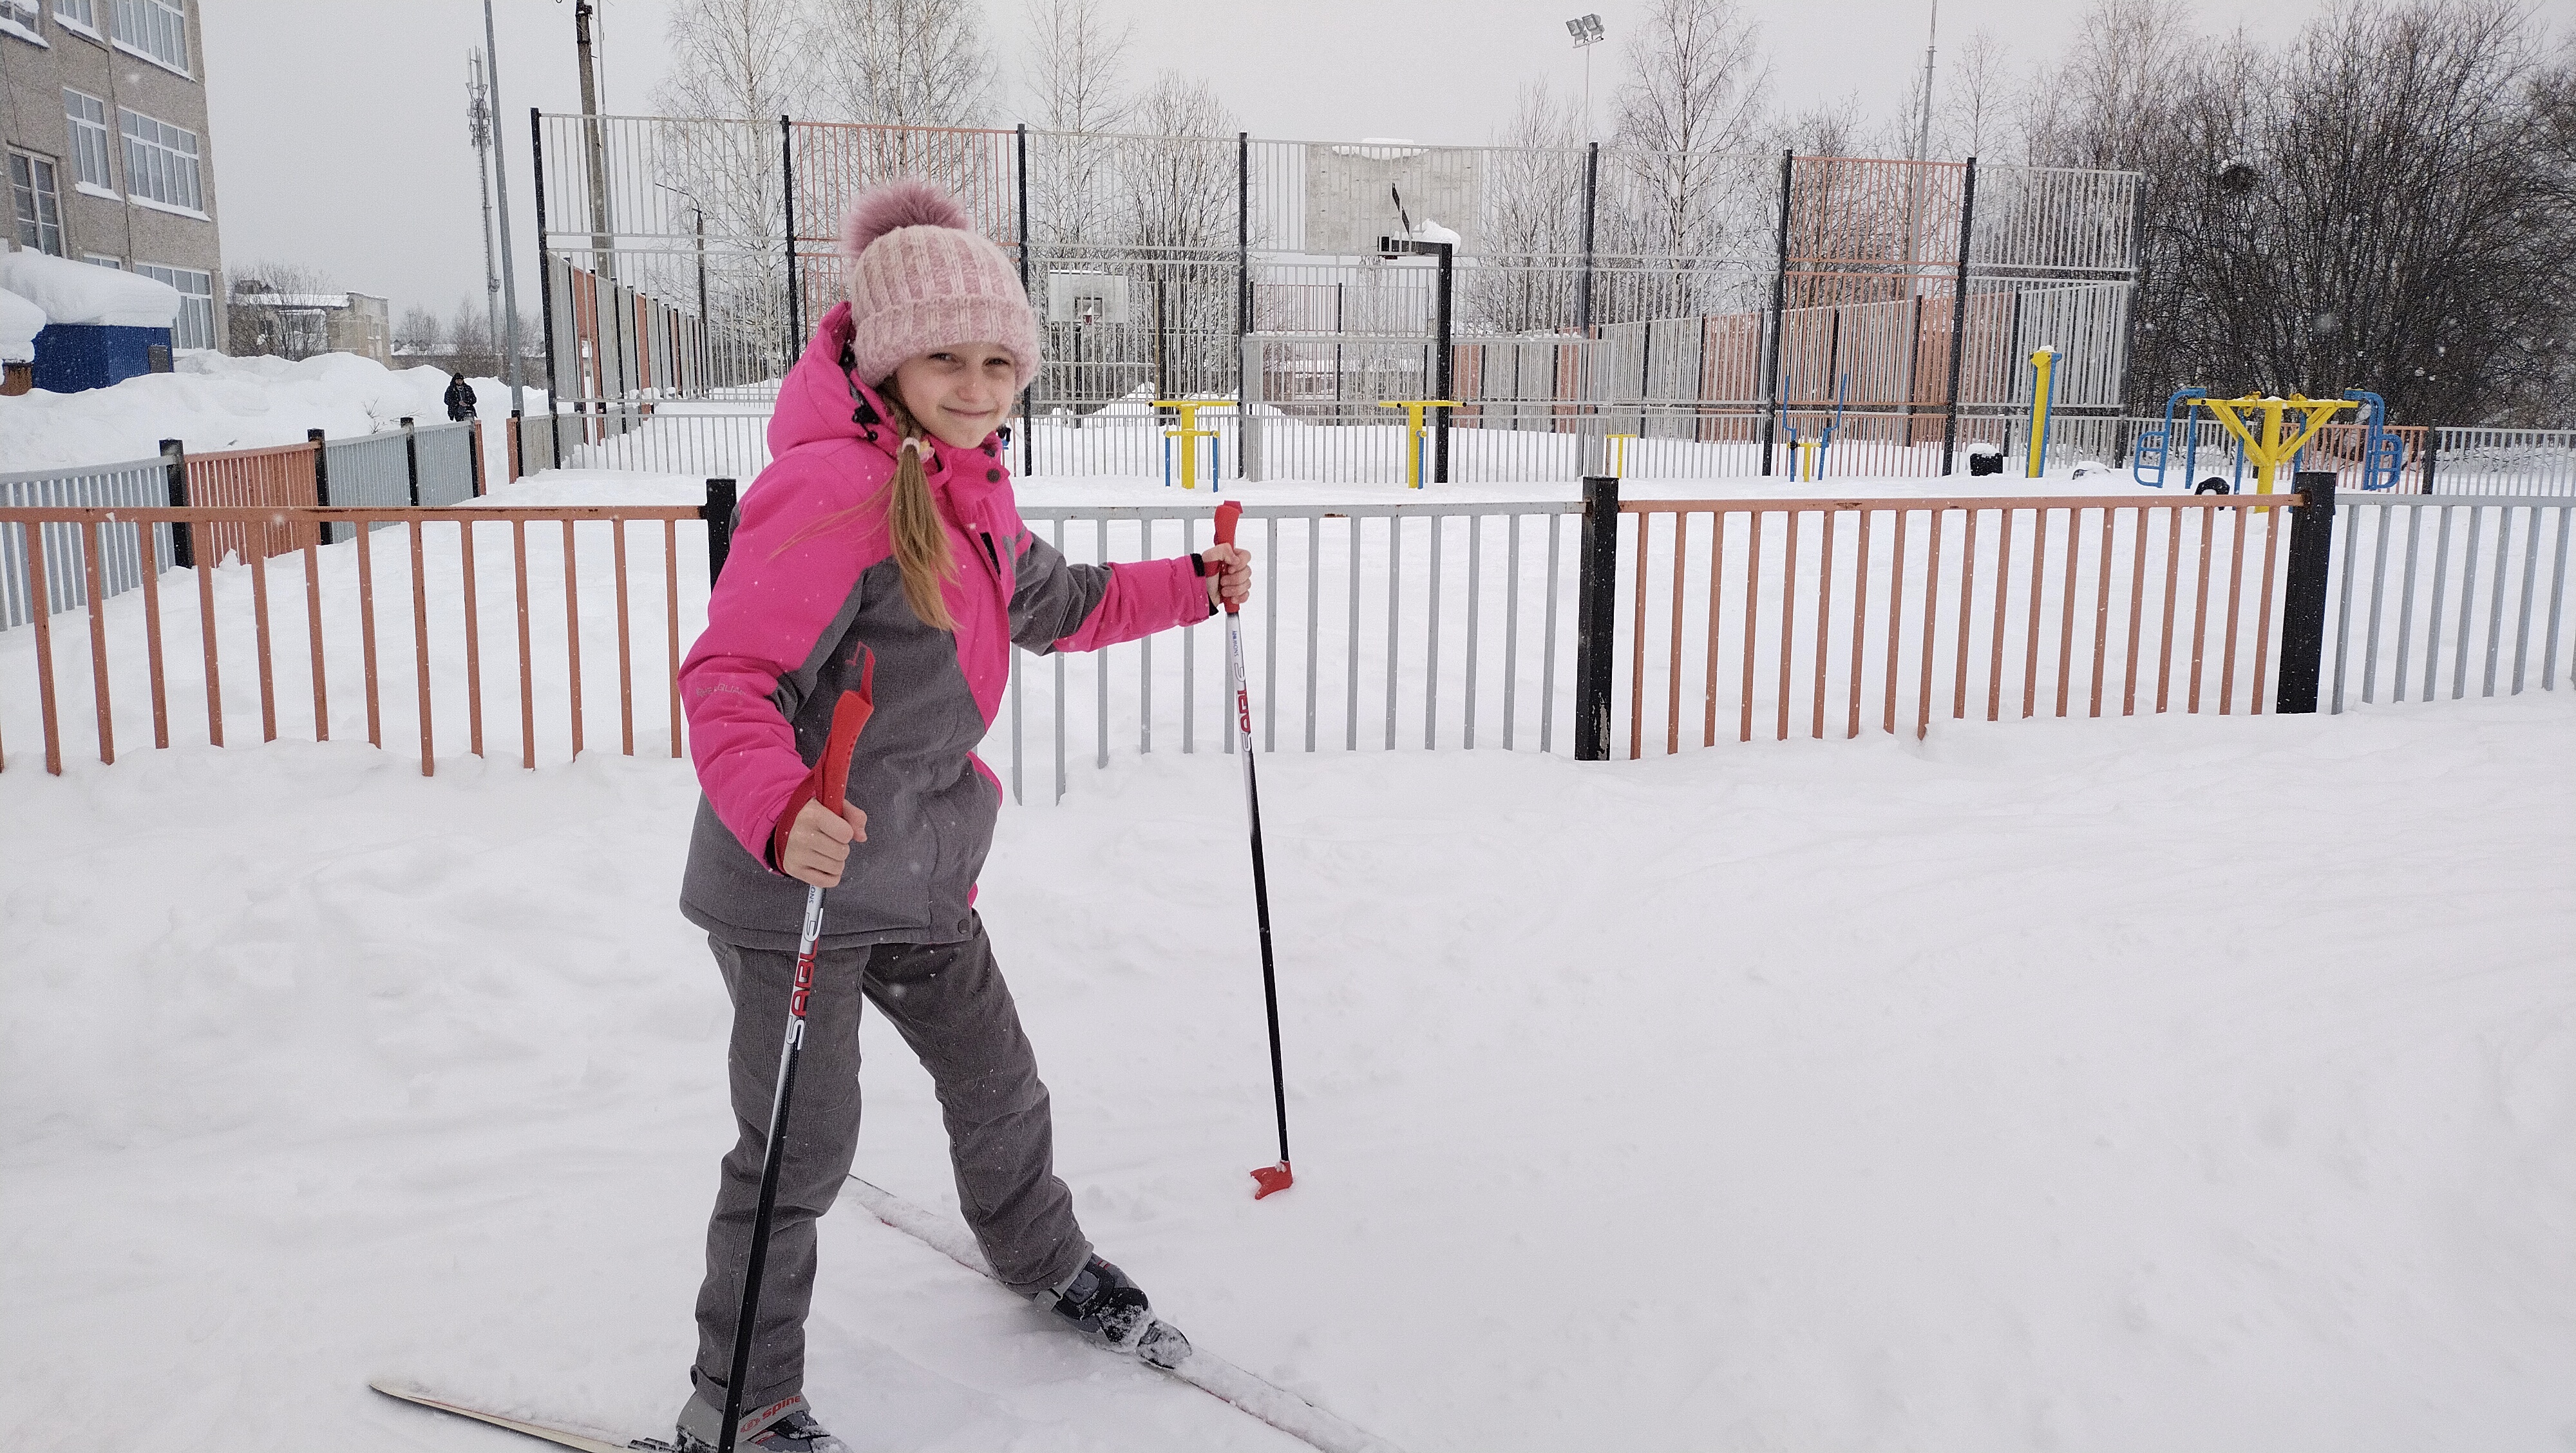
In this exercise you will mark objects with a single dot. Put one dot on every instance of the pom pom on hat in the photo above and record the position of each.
(920, 277)
(907, 203)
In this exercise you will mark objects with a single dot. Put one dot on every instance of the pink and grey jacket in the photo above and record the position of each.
(796, 612)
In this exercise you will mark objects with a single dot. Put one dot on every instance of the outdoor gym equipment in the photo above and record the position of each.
(2383, 454)
(1414, 409)
(1189, 433)
(2274, 448)
(1619, 452)
(2043, 395)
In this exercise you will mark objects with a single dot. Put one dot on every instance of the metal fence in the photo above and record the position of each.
(2505, 461)
(120, 559)
(1374, 628)
(435, 466)
(2440, 598)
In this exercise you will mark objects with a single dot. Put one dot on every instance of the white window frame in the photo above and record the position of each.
(158, 173)
(79, 17)
(195, 325)
(101, 259)
(22, 19)
(141, 25)
(87, 116)
(38, 196)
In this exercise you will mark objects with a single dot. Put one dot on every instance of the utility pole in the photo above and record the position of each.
(1922, 153)
(601, 262)
(478, 124)
(501, 187)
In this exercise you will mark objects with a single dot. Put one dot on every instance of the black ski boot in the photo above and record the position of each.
(786, 1426)
(1102, 1302)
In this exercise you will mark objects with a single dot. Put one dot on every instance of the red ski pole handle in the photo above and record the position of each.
(1228, 515)
(828, 782)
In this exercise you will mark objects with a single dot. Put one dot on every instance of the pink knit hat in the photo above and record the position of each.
(921, 277)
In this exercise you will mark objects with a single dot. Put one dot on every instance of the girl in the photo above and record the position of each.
(884, 536)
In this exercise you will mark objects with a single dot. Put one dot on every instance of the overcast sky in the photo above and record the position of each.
(339, 136)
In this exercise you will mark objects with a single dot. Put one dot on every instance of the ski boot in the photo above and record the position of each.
(1103, 1303)
(786, 1426)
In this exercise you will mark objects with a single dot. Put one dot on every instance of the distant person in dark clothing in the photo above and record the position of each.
(460, 398)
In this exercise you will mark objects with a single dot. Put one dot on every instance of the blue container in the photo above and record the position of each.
(71, 357)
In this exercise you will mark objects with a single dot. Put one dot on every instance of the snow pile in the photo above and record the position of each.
(212, 402)
(84, 293)
(2070, 1084)
(20, 322)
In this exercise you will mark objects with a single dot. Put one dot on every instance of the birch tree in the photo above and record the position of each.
(1687, 121)
(1074, 89)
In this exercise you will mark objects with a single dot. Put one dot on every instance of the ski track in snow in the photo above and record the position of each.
(2108, 1085)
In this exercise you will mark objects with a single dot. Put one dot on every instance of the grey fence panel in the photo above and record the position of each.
(371, 471)
(142, 482)
(2505, 461)
(2439, 598)
(445, 454)
(1371, 627)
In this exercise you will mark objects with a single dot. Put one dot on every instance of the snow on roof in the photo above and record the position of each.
(79, 293)
(20, 322)
(1382, 148)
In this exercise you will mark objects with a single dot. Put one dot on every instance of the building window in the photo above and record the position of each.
(160, 161)
(38, 203)
(88, 116)
(18, 18)
(80, 15)
(154, 29)
(101, 259)
(196, 325)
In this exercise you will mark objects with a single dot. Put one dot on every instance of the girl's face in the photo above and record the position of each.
(960, 393)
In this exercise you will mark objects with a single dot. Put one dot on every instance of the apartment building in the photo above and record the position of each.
(103, 121)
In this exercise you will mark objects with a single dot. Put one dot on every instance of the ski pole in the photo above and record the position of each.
(1278, 1177)
(825, 784)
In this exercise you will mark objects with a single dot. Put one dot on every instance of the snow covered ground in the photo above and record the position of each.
(212, 402)
(2144, 1084)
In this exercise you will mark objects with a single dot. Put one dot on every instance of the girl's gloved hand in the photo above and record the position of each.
(818, 846)
(1229, 575)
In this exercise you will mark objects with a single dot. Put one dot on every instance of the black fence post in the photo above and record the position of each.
(1596, 597)
(545, 272)
(1958, 317)
(1028, 396)
(474, 455)
(2303, 597)
(718, 512)
(411, 460)
(174, 464)
(321, 475)
(787, 198)
(1779, 318)
(1443, 377)
(2432, 452)
(1583, 279)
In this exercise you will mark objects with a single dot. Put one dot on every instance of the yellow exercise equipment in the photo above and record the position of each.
(2272, 448)
(1619, 452)
(2043, 399)
(1414, 409)
(1189, 433)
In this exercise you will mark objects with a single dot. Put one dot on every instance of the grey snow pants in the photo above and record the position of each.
(949, 1003)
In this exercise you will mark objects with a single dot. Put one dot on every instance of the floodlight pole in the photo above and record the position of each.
(501, 189)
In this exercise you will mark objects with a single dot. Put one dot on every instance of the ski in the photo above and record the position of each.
(1203, 1370)
(587, 1440)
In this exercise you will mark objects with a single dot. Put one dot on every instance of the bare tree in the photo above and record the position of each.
(1534, 222)
(1687, 122)
(737, 66)
(470, 346)
(1179, 173)
(904, 62)
(2109, 101)
(277, 308)
(420, 335)
(2393, 220)
(1074, 89)
(1972, 114)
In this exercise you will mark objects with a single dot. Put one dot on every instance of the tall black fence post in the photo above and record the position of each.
(1583, 279)
(718, 512)
(787, 200)
(1444, 376)
(411, 461)
(1028, 396)
(2432, 453)
(545, 264)
(321, 475)
(1596, 617)
(1959, 316)
(174, 466)
(2303, 597)
(1779, 318)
